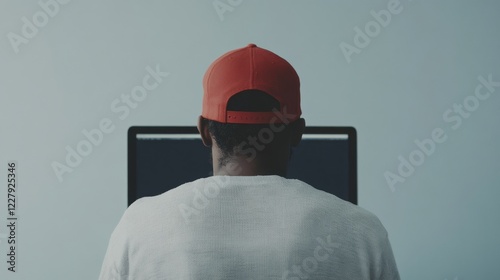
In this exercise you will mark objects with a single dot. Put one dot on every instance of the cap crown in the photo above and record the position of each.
(250, 68)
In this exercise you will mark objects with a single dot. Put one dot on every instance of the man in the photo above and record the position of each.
(248, 221)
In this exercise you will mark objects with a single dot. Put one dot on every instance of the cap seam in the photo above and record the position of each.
(251, 67)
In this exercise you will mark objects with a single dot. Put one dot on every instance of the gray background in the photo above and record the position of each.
(442, 221)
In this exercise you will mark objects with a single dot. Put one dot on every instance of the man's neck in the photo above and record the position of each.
(241, 167)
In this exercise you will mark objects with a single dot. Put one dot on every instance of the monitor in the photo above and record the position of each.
(164, 157)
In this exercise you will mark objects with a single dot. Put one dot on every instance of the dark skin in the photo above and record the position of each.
(271, 161)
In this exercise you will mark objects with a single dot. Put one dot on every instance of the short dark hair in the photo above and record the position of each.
(229, 136)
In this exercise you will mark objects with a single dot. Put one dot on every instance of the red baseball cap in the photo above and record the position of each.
(250, 68)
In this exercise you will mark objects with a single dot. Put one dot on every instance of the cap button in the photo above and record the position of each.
(252, 46)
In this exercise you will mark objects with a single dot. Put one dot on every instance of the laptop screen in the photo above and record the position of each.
(162, 158)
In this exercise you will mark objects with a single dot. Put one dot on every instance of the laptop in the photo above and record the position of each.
(161, 158)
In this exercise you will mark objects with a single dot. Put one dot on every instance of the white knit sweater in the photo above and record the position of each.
(248, 227)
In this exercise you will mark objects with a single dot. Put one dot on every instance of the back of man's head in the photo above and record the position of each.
(251, 111)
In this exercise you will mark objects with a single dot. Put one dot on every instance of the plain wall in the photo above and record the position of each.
(442, 218)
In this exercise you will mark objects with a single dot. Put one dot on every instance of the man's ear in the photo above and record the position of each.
(204, 133)
(297, 130)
